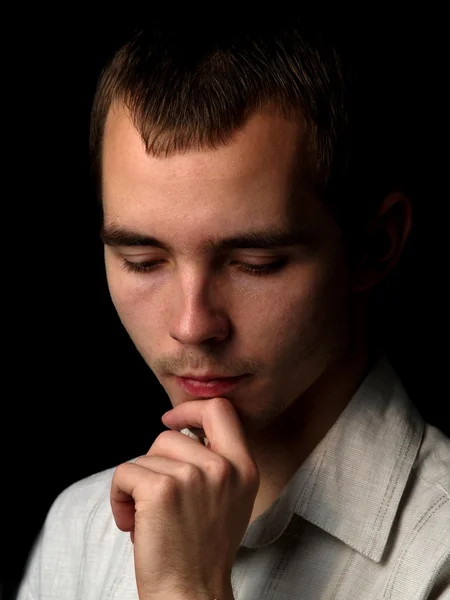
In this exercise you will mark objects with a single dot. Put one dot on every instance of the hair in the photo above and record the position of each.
(191, 87)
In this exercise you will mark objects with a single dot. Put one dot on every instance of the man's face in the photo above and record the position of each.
(199, 308)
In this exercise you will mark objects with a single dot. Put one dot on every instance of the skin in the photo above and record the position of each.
(300, 332)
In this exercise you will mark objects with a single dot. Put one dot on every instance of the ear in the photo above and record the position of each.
(384, 242)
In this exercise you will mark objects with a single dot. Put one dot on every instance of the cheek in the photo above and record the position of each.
(310, 308)
(136, 301)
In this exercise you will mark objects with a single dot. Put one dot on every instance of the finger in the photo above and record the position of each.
(131, 483)
(186, 459)
(221, 424)
(179, 447)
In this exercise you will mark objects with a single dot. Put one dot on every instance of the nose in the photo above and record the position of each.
(198, 316)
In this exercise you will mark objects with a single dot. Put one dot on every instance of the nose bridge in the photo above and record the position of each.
(198, 313)
(196, 290)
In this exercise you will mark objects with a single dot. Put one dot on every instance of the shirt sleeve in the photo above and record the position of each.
(29, 586)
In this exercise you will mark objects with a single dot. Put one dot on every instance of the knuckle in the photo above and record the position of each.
(165, 486)
(190, 473)
(219, 468)
(163, 439)
(168, 434)
(120, 470)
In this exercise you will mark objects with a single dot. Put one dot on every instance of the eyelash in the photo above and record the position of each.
(256, 270)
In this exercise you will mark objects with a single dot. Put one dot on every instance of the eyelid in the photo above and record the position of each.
(142, 254)
(235, 255)
(253, 269)
(263, 258)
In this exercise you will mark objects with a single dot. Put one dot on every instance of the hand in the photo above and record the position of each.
(187, 506)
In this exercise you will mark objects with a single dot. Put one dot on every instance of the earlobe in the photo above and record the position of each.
(384, 242)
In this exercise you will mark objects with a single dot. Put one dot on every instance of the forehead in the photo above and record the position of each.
(254, 175)
(266, 130)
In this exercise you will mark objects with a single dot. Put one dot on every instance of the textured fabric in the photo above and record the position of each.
(365, 517)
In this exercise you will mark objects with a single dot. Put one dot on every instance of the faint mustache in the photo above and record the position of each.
(170, 365)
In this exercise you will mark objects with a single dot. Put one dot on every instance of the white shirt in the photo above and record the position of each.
(365, 517)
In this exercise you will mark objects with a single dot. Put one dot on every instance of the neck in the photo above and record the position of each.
(281, 448)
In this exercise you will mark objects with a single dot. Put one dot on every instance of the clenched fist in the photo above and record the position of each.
(187, 506)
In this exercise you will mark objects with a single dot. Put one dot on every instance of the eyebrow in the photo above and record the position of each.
(267, 239)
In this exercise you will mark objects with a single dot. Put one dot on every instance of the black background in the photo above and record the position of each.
(77, 396)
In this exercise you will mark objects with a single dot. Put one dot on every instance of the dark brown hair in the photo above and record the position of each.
(188, 87)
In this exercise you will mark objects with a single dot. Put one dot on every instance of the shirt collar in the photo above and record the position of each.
(352, 483)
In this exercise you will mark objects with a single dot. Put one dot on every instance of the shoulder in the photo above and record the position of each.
(430, 494)
(432, 465)
(82, 499)
(83, 509)
(423, 548)
(79, 539)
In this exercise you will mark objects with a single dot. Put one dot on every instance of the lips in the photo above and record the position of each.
(206, 377)
(210, 387)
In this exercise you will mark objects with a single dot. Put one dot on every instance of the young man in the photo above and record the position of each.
(250, 206)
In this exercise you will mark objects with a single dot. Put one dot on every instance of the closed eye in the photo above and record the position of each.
(251, 268)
